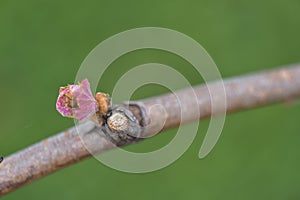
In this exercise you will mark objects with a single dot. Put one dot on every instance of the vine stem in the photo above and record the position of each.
(67, 148)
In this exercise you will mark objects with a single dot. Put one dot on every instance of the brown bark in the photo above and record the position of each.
(66, 148)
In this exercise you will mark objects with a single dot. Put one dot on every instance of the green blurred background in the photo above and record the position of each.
(43, 43)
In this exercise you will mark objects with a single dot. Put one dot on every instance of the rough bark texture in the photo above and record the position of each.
(67, 148)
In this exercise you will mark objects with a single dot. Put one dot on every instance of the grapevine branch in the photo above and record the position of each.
(66, 148)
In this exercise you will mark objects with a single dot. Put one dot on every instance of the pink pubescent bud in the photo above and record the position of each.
(76, 101)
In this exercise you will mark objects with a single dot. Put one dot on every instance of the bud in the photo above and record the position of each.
(76, 101)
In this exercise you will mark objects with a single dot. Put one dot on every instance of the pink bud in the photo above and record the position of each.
(76, 101)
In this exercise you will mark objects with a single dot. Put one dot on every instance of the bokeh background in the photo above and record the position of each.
(43, 43)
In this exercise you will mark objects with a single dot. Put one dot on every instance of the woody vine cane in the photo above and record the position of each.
(66, 148)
